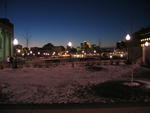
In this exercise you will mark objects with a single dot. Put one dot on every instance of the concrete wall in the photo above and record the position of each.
(147, 55)
(6, 38)
(135, 53)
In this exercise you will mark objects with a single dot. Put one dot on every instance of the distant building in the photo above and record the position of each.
(121, 45)
(6, 38)
(85, 44)
(105, 51)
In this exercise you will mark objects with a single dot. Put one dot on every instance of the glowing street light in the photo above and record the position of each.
(110, 56)
(121, 55)
(128, 37)
(18, 50)
(31, 52)
(22, 54)
(146, 44)
(67, 51)
(39, 53)
(94, 51)
(15, 42)
(54, 53)
(82, 52)
(70, 44)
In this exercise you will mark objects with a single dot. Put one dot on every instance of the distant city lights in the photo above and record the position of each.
(54, 53)
(39, 53)
(121, 55)
(111, 57)
(22, 54)
(31, 52)
(18, 50)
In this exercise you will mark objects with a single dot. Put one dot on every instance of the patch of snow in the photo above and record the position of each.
(56, 84)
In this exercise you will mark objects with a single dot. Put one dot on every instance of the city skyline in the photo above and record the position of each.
(61, 21)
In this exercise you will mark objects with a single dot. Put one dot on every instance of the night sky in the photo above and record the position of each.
(60, 21)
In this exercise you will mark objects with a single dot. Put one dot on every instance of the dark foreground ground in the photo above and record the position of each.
(77, 108)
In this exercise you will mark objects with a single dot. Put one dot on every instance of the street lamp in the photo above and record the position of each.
(15, 42)
(54, 53)
(146, 44)
(38, 53)
(22, 54)
(111, 56)
(31, 52)
(128, 38)
(121, 55)
(70, 44)
(18, 50)
(82, 52)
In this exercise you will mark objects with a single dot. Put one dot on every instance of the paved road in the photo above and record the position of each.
(137, 109)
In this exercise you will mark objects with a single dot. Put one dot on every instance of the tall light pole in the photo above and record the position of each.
(128, 38)
(15, 42)
(144, 47)
(70, 46)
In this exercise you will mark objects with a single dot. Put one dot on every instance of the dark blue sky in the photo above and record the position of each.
(60, 21)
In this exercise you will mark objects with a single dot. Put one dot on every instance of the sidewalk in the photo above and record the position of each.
(136, 109)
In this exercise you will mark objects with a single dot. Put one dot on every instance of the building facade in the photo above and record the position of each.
(139, 46)
(6, 38)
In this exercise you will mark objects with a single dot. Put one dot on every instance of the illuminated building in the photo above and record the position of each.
(85, 46)
(140, 45)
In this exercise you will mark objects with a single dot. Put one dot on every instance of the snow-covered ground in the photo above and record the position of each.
(56, 84)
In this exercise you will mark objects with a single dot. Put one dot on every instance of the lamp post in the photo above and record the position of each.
(128, 38)
(144, 49)
(70, 46)
(15, 42)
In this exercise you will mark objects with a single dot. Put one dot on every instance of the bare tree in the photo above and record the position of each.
(27, 38)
